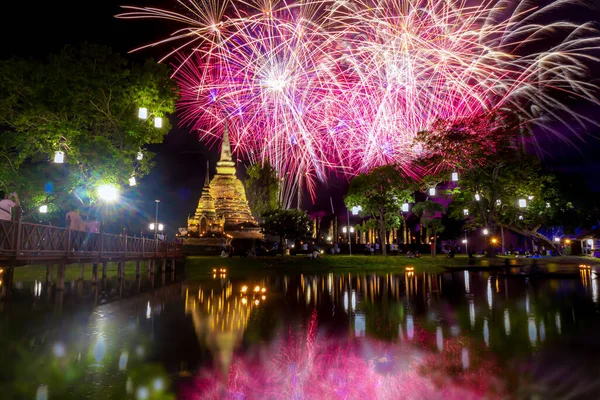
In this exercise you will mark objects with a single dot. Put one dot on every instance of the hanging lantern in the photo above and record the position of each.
(132, 181)
(522, 203)
(158, 122)
(143, 113)
(455, 177)
(520, 217)
(432, 191)
(466, 211)
(547, 205)
(498, 202)
(530, 197)
(43, 209)
(405, 207)
(140, 156)
(356, 210)
(477, 197)
(59, 157)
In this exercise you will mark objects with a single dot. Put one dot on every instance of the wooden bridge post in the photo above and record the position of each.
(164, 265)
(121, 269)
(137, 267)
(104, 269)
(49, 273)
(173, 264)
(94, 273)
(82, 271)
(60, 276)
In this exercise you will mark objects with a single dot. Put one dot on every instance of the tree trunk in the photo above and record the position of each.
(382, 237)
(281, 245)
(434, 249)
(537, 236)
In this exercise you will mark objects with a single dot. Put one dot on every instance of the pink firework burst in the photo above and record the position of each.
(344, 85)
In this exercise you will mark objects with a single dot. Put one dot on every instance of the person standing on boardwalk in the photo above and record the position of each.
(74, 220)
(7, 203)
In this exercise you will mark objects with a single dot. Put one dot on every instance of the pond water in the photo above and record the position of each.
(229, 334)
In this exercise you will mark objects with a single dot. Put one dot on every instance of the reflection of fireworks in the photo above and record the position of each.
(315, 368)
(346, 84)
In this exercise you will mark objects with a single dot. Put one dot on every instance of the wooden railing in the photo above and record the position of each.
(24, 241)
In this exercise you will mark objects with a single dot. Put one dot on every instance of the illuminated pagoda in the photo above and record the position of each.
(223, 208)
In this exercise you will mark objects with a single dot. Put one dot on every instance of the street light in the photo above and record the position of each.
(59, 157)
(108, 193)
(43, 209)
(344, 229)
(156, 219)
(159, 226)
(142, 113)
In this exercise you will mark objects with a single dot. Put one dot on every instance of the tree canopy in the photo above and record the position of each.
(287, 224)
(430, 215)
(262, 188)
(84, 102)
(380, 194)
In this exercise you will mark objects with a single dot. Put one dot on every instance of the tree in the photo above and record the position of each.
(262, 188)
(495, 174)
(287, 224)
(380, 194)
(82, 101)
(430, 214)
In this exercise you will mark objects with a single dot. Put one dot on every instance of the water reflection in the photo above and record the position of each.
(299, 336)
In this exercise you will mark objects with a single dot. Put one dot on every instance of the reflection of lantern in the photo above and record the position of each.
(454, 176)
(405, 207)
(143, 113)
(158, 122)
(59, 157)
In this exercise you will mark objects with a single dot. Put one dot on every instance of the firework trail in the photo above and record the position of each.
(344, 85)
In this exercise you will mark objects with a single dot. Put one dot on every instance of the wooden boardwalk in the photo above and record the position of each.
(25, 244)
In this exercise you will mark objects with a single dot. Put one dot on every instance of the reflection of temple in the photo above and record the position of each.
(220, 315)
(223, 208)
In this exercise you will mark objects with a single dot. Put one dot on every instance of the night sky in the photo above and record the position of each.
(43, 27)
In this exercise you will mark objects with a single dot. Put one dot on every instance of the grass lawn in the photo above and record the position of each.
(365, 263)
(32, 273)
(199, 265)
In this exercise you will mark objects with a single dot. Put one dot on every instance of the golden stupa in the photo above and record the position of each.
(223, 208)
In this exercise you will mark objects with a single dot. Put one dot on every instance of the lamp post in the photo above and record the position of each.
(156, 221)
(349, 237)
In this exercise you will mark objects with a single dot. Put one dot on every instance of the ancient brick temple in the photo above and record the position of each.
(223, 208)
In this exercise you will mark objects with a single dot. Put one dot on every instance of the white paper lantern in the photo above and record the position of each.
(143, 113)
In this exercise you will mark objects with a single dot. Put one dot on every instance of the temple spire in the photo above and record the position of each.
(226, 146)
(207, 179)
